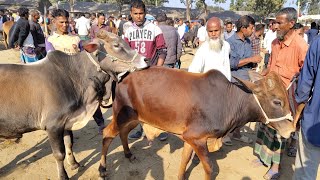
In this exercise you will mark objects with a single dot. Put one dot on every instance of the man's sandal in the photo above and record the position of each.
(271, 175)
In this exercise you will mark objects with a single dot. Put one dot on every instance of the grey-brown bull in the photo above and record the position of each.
(62, 92)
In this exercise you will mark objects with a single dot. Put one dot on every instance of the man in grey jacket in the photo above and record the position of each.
(172, 40)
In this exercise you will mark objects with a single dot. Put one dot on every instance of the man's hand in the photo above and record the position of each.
(17, 48)
(256, 59)
(265, 71)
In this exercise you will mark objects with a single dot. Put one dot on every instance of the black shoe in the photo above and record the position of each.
(136, 135)
(163, 136)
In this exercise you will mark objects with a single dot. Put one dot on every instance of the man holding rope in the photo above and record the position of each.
(288, 53)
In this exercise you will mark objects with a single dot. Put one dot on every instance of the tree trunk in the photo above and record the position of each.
(72, 7)
(205, 8)
(188, 9)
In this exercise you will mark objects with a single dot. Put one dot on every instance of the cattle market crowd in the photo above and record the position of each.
(234, 48)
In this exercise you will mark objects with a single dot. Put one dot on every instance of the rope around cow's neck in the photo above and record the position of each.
(268, 120)
(95, 63)
(117, 59)
(131, 69)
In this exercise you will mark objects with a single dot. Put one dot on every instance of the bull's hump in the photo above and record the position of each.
(56, 54)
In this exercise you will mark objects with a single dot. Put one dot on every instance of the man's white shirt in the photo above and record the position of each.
(206, 59)
(83, 26)
(270, 36)
(202, 33)
(181, 30)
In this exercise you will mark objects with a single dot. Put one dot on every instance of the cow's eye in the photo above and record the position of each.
(277, 102)
(116, 45)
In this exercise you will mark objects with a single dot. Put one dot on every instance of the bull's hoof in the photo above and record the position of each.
(75, 166)
(132, 159)
(102, 172)
(64, 178)
(181, 177)
(102, 178)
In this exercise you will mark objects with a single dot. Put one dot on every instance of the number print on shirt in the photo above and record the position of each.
(140, 47)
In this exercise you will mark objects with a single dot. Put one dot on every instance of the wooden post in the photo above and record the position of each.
(45, 21)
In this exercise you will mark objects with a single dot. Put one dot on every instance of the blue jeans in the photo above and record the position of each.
(241, 73)
(307, 160)
(176, 65)
(84, 38)
(169, 65)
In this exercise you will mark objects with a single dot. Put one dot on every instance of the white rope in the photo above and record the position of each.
(288, 116)
(117, 59)
(135, 55)
(95, 63)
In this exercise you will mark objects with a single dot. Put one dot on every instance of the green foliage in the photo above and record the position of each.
(200, 4)
(219, 1)
(303, 4)
(260, 7)
(232, 5)
(155, 2)
(313, 7)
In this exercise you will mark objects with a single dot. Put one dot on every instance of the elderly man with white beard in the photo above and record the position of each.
(214, 52)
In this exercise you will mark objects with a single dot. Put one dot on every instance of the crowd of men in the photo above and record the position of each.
(287, 48)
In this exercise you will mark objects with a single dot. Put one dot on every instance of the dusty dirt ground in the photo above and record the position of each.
(31, 157)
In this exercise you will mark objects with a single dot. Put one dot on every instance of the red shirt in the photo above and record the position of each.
(147, 40)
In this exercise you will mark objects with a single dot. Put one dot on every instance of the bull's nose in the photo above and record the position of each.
(142, 63)
(147, 60)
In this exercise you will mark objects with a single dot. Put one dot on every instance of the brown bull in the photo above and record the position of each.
(194, 107)
(5, 33)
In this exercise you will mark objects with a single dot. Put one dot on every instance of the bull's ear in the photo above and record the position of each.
(91, 46)
(102, 34)
(254, 76)
(249, 85)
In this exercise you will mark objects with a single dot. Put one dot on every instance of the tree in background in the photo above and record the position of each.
(310, 6)
(259, 7)
(218, 2)
(232, 5)
(188, 4)
(155, 2)
(265, 7)
(201, 4)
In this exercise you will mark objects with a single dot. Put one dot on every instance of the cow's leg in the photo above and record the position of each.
(109, 133)
(201, 149)
(124, 131)
(4, 36)
(68, 142)
(186, 156)
(56, 141)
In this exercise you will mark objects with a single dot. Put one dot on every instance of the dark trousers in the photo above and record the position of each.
(98, 117)
(266, 59)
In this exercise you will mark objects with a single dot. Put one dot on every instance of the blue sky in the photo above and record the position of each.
(176, 3)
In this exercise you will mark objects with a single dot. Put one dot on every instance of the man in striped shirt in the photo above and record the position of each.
(255, 39)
